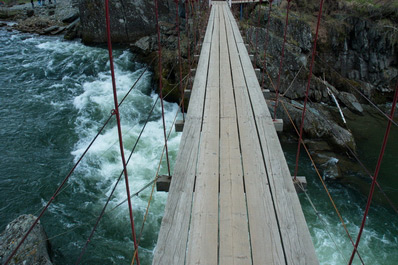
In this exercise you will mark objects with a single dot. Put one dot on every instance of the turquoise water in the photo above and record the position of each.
(54, 95)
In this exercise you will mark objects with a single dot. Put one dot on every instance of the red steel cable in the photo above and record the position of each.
(376, 173)
(160, 85)
(75, 166)
(258, 26)
(362, 165)
(281, 61)
(195, 26)
(116, 184)
(187, 6)
(179, 60)
(266, 44)
(308, 89)
(55, 194)
(119, 127)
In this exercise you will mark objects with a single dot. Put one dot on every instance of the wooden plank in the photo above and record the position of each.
(203, 239)
(199, 86)
(264, 235)
(235, 29)
(173, 234)
(234, 235)
(209, 29)
(297, 243)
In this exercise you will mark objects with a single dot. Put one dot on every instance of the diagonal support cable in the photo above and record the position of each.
(119, 127)
(376, 173)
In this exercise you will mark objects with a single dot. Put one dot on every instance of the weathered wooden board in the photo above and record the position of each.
(297, 243)
(173, 234)
(203, 239)
(264, 234)
(296, 238)
(234, 235)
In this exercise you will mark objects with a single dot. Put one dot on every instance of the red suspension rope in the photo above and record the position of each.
(258, 26)
(56, 193)
(119, 127)
(308, 89)
(281, 61)
(376, 173)
(266, 44)
(179, 60)
(160, 84)
(195, 25)
(187, 7)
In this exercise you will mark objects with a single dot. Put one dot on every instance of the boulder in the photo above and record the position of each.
(71, 17)
(351, 102)
(318, 124)
(34, 250)
(144, 45)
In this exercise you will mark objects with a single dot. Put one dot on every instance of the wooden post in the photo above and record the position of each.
(179, 125)
(266, 93)
(163, 183)
(278, 123)
(300, 183)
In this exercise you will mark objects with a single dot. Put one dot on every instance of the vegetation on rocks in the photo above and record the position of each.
(357, 55)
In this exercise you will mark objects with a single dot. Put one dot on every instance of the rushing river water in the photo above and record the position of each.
(55, 95)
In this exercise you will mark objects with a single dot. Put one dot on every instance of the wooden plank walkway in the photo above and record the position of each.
(231, 199)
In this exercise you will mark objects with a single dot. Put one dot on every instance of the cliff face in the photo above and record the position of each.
(357, 53)
(364, 51)
(352, 50)
(130, 19)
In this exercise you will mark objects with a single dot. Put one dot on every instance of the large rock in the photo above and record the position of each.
(71, 17)
(351, 102)
(318, 124)
(35, 248)
(145, 45)
(130, 19)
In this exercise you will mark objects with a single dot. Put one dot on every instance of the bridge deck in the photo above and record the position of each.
(231, 200)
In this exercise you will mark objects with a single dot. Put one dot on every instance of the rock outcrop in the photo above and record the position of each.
(353, 53)
(130, 19)
(318, 124)
(35, 249)
(357, 55)
(47, 19)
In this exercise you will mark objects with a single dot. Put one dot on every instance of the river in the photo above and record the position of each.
(55, 95)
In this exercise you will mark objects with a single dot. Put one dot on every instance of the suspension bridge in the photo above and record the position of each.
(232, 198)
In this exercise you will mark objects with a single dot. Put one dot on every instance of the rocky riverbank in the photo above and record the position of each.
(356, 59)
(356, 63)
(49, 19)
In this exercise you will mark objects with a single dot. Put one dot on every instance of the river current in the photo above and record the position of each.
(56, 94)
